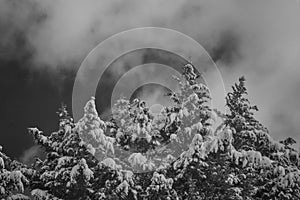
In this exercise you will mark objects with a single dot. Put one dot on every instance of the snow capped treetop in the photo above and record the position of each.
(81, 169)
(183, 154)
(91, 130)
(90, 107)
(91, 119)
(109, 162)
(137, 159)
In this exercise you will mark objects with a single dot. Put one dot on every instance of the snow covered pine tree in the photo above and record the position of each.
(238, 160)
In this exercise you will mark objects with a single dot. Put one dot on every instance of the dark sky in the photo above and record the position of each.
(28, 98)
(42, 44)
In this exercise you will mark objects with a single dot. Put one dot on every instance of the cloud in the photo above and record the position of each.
(61, 32)
(258, 39)
(29, 155)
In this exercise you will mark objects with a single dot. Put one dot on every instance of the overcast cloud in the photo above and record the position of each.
(258, 39)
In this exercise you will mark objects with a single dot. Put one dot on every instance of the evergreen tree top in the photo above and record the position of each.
(175, 155)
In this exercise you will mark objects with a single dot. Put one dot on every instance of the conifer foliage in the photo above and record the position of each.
(175, 155)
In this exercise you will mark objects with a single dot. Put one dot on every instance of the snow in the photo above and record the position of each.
(279, 170)
(39, 194)
(68, 129)
(109, 147)
(137, 159)
(91, 149)
(198, 126)
(173, 137)
(128, 176)
(109, 162)
(226, 135)
(188, 130)
(62, 161)
(88, 173)
(232, 179)
(185, 112)
(123, 187)
(92, 128)
(76, 171)
(47, 175)
(251, 156)
(18, 197)
(18, 178)
(2, 190)
(1, 163)
(43, 139)
(266, 162)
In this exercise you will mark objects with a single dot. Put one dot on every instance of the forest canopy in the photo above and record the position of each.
(188, 151)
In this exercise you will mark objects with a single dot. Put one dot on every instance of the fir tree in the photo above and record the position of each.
(181, 154)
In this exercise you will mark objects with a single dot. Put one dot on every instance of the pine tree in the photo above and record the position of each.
(179, 152)
(13, 178)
